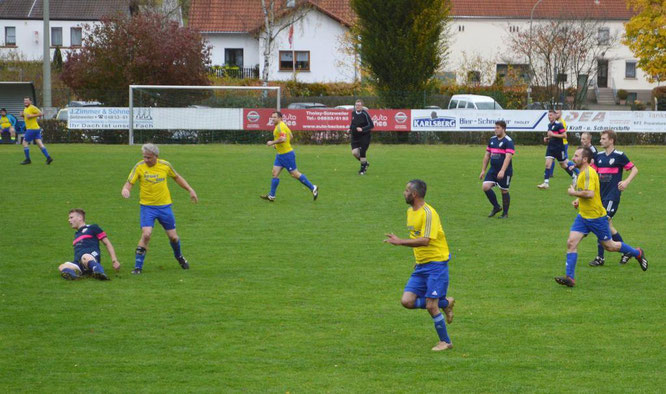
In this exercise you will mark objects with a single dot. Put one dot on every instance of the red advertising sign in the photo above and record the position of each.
(325, 119)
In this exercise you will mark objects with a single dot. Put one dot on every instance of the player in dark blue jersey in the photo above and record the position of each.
(555, 149)
(610, 164)
(499, 152)
(87, 256)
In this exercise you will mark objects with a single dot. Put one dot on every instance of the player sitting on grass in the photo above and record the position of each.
(86, 249)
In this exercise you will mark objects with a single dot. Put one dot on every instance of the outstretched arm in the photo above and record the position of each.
(413, 243)
(183, 183)
(112, 253)
(126, 189)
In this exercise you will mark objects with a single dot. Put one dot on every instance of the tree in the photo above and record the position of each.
(563, 53)
(646, 37)
(401, 44)
(140, 49)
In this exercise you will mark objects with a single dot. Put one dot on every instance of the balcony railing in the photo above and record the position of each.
(235, 72)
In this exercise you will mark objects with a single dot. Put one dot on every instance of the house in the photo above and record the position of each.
(22, 26)
(311, 50)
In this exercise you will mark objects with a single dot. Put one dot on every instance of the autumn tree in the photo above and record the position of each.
(142, 49)
(646, 37)
(401, 43)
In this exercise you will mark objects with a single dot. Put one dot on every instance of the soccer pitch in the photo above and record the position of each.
(302, 296)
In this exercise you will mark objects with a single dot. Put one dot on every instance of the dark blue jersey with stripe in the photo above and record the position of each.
(610, 168)
(498, 148)
(557, 128)
(86, 240)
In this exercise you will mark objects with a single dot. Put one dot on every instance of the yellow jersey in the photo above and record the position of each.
(153, 182)
(31, 124)
(281, 130)
(564, 124)
(425, 222)
(590, 208)
(4, 122)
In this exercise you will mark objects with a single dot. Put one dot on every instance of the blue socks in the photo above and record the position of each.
(420, 303)
(492, 198)
(600, 249)
(176, 249)
(95, 266)
(274, 184)
(571, 264)
(440, 327)
(139, 257)
(72, 274)
(506, 201)
(26, 152)
(305, 181)
(45, 152)
(626, 249)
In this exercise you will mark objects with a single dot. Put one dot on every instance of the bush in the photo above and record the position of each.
(622, 94)
(659, 93)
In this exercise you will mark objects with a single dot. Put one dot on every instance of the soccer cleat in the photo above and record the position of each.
(268, 197)
(49, 160)
(597, 262)
(442, 346)
(136, 271)
(494, 211)
(565, 281)
(642, 260)
(543, 186)
(448, 311)
(68, 276)
(315, 192)
(625, 259)
(183, 263)
(99, 275)
(504, 216)
(26, 161)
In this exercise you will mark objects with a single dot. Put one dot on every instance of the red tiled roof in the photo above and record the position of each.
(63, 9)
(246, 15)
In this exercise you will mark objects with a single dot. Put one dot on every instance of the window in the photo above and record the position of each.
(513, 29)
(630, 69)
(561, 78)
(291, 3)
(603, 35)
(294, 60)
(56, 36)
(462, 104)
(470, 105)
(76, 36)
(474, 77)
(10, 35)
(233, 57)
(461, 28)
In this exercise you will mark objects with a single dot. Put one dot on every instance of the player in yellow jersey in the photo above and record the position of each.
(427, 286)
(155, 200)
(285, 158)
(591, 217)
(32, 131)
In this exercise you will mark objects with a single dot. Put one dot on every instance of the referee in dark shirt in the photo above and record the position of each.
(360, 128)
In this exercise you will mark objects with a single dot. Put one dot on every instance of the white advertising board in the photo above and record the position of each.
(117, 118)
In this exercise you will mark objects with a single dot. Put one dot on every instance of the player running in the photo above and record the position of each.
(87, 257)
(610, 164)
(32, 131)
(555, 149)
(361, 132)
(591, 218)
(427, 286)
(155, 200)
(499, 153)
(285, 158)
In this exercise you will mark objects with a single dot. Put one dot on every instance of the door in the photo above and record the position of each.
(602, 73)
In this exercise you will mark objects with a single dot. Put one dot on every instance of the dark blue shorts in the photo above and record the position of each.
(611, 207)
(286, 160)
(31, 135)
(79, 253)
(430, 280)
(556, 152)
(504, 183)
(598, 226)
(163, 214)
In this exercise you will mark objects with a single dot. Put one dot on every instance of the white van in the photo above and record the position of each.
(473, 101)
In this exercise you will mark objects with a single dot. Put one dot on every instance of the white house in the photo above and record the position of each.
(312, 50)
(22, 26)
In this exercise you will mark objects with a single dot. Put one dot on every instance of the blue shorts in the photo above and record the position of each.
(491, 176)
(31, 135)
(163, 214)
(430, 280)
(286, 160)
(598, 226)
(611, 207)
(556, 152)
(79, 253)
(8, 129)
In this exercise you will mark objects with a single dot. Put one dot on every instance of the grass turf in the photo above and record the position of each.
(302, 296)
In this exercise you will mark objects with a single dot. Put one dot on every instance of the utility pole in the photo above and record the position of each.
(46, 62)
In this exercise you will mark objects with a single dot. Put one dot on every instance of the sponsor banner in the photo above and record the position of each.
(117, 118)
(325, 119)
(467, 120)
(620, 121)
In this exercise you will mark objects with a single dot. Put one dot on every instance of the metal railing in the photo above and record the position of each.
(235, 72)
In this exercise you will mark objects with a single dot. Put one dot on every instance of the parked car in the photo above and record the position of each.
(63, 113)
(306, 106)
(349, 107)
(473, 101)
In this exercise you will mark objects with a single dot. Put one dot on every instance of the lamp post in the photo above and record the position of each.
(529, 88)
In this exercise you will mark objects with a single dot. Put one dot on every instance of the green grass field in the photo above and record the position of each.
(301, 296)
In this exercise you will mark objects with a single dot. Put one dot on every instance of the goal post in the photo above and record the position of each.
(184, 110)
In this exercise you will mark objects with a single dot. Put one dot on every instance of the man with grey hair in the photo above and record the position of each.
(155, 200)
(426, 288)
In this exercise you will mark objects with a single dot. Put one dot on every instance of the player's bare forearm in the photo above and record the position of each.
(413, 243)
(183, 183)
(486, 160)
(507, 160)
(632, 175)
(125, 191)
(112, 253)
